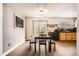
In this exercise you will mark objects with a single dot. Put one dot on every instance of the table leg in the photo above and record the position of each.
(39, 49)
(35, 45)
(54, 47)
(50, 46)
(45, 49)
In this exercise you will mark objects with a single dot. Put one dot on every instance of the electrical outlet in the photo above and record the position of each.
(8, 44)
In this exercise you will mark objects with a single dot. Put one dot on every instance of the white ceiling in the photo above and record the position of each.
(51, 9)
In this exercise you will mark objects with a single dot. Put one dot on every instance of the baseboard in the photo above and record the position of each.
(10, 50)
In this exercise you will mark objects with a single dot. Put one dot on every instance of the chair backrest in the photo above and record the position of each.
(42, 40)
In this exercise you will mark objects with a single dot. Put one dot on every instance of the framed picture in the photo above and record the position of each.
(19, 22)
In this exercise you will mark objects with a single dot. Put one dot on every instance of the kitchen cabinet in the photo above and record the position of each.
(67, 36)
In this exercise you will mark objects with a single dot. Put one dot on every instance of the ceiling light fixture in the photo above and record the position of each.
(41, 12)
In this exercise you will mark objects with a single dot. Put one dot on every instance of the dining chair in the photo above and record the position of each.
(50, 45)
(32, 42)
(42, 42)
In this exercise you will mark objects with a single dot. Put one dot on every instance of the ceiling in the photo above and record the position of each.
(51, 9)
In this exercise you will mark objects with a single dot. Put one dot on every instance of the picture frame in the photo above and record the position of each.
(18, 22)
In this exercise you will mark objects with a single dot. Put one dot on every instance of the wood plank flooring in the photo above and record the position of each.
(62, 49)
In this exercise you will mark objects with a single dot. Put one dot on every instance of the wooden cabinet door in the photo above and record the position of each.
(73, 36)
(62, 36)
(69, 36)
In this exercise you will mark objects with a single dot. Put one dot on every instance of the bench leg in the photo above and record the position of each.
(45, 49)
(49, 47)
(39, 49)
(35, 47)
(54, 47)
(30, 47)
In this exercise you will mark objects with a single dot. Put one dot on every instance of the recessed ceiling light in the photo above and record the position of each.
(41, 11)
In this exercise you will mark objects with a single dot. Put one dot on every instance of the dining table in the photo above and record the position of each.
(46, 38)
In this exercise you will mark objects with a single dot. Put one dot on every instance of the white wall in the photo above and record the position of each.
(11, 34)
(78, 35)
(0, 29)
(29, 28)
(77, 29)
(67, 23)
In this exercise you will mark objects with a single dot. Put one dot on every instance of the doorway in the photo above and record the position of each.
(39, 26)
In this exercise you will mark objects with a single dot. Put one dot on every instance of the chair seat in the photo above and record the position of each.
(52, 42)
(32, 42)
(42, 43)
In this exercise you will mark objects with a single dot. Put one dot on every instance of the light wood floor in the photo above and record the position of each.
(62, 49)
